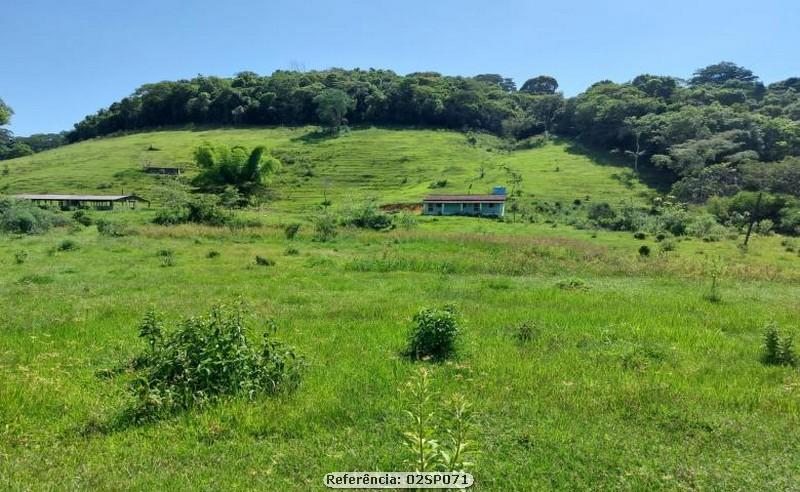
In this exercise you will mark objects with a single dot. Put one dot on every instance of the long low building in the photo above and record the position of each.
(97, 201)
(478, 205)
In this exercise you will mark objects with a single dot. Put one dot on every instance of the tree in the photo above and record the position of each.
(5, 113)
(504, 83)
(543, 84)
(332, 106)
(546, 109)
(223, 166)
(635, 128)
(720, 73)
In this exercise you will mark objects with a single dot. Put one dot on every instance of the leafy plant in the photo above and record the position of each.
(454, 423)
(203, 359)
(525, 332)
(292, 251)
(262, 261)
(20, 256)
(291, 230)
(715, 268)
(572, 283)
(113, 229)
(434, 334)
(82, 218)
(68, 245)
(212, 254)
(324, 227)
(644, 250)
(778, 349)
(167, 257)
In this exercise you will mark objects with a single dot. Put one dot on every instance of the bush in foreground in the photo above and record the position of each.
(778, 350)
(434, 334)
(207, 358)
(19, 217)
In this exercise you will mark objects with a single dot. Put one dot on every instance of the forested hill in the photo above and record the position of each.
(707, 130)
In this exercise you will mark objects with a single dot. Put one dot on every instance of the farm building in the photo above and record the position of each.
(493, 205)
(95, 201)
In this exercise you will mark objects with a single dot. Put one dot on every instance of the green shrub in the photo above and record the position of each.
(68, 245)
(434, 334)
(367, 216)
(21, 217)
(436, 439)
(112, 229)
(167, 257)
(324, 227)
(639, 235)
(572, 283)
(644, 250)
(212, 254)
(667, 245)
(292, 251)
(777, 349)
(197, 209)
(20, 256)
(262, 261)
(291, 230)
(406, 220)
(525, 332)
(206, 358)
(82, 218)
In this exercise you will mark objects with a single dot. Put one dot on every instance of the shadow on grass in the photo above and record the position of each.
(659, 179)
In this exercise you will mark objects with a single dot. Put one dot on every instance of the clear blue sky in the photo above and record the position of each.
(62, 60)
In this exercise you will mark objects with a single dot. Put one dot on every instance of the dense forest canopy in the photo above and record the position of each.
(717, 133)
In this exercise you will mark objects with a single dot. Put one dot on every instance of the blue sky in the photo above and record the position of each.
(62, 60)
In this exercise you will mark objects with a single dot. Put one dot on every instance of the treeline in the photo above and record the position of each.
(12, 146)
(713, 131)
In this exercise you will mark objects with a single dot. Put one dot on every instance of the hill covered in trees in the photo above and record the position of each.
(711, 132)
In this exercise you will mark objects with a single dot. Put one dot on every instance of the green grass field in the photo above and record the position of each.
(634, 382)
(392, 166)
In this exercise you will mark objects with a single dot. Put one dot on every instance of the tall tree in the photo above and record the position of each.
(5, 113)
(543, 84)
(720, 73)
(332, 106)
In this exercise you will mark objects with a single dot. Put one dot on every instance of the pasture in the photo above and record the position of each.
(630, 378)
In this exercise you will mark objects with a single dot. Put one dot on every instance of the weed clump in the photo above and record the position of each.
(111, 229)
(68, 245)
(82, 218)
(525, 332)
(20, 256)
(291, 251)
(167, 257)
(572, 283)
(644, 251)
(434, 334)
(262, 261)
(206, 358)
(291, 230)
(778, 350)
(212, 254)
(324, 227)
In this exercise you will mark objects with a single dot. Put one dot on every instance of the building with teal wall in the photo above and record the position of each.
(475, 205)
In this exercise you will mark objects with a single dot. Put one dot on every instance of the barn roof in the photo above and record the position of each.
(81, 198)
(465, 198)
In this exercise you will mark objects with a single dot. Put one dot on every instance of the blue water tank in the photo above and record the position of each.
(499, 190)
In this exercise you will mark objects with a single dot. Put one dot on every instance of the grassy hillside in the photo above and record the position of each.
(390, 165)
(631, 375)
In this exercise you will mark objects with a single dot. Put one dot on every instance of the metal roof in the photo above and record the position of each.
(465, 198)
(80, 198)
